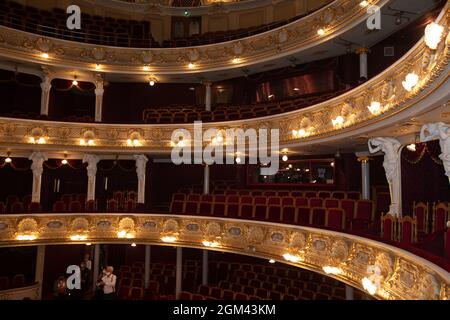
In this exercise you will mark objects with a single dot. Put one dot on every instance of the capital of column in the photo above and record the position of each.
(362, 50)
(363, 159)
(38, 159)
(46, 83)
(99, 92)
(141, 163)
(207, 83)
(92, 161)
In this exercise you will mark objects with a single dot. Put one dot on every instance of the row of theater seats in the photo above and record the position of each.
(337, 214)
(183, 114)
(16, 281)
(354, 195)
(33, 115)
(430, 223)
(110, 31)
(225, 35)
(95, 29)
(230, 281)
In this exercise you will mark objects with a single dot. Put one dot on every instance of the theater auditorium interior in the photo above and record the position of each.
(224, 150)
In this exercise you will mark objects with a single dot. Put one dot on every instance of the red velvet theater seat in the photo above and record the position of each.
(303, 216)
(338, 195)
(389, 227)
(59, 206)
(335, 219)
(324, 194)
(274, 213)
(363, 214)
(246, 207)
(178, 197)
(348, 205)
(447, 243)
(318, 217)
(331, 203)
(287, 201)
(219, 209)
(440, 216)
(191, 207)
(205, 208)
(354, 195)
(408, 230)
(112, 205)
(289, 214)
(301, 202)
(420, 212)
(34, 207)
(315, 202)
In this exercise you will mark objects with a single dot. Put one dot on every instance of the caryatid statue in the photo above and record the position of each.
(441, 131)
(391, 149)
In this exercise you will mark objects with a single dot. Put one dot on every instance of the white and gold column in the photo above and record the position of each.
(38, 159)
(141, 168)
(92, 161)
(363, 64)
(207, 85)
(39, 271)
(392, 149)
(46, 86)
(365, 176)
(99, 91)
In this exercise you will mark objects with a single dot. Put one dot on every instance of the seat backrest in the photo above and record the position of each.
(335, 219)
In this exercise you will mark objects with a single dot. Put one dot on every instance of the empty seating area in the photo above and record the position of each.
(111, 31)
(229, 281)
(182, 114)
(95, 29)
(17, 281)
(335, 210)
(16, 204)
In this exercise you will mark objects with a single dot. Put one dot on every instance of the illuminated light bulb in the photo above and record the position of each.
(8, 160)
(238, 160)
(64, 162)
(301, 132)
(98, 67)
(41, 140)
(90, 142)
(181, 144)
(26, 237)
(332, 164)
(210, 244)
(364, 3)
(121, 234)
(152, 83)
(284, 158)
(320, 32)
(88, 243)
(369, 286)
(295, 133)
(133, 244)
(169, 239)
(219, 138)
(191, 65)
(332, 270)
(411, 147)
(411, 81)
(82, 142)
(45, 55)
(136, 142)
(271, 261)
(146, 68)
(31, 140)
(74, 82)
(78, 237)
(375, 107)
(291, 258)
(433, 35)
(338, 121)
(236, 60)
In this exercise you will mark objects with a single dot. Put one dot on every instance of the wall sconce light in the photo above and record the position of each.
(411, 80)
(338, 121)
(433, 35)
